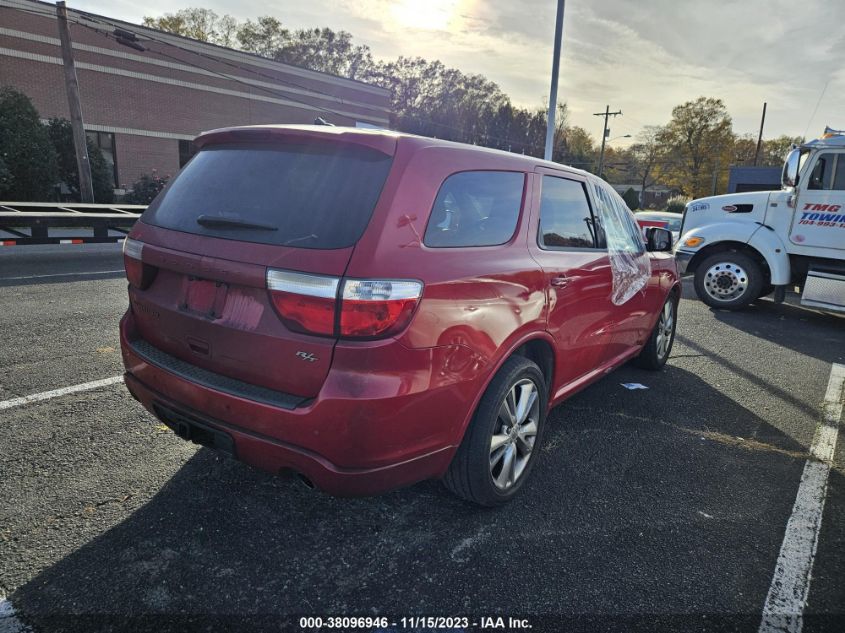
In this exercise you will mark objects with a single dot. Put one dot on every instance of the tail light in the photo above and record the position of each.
(347, 308)
(305, 303)
(377, 308)
(139, 274)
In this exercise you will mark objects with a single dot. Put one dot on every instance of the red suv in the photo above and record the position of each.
(370, 309)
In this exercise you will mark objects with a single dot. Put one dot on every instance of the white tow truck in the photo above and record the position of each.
(742, 246)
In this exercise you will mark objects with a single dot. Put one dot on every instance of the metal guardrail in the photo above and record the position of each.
(26, 223)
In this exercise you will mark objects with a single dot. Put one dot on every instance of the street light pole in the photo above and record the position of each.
(550, 118)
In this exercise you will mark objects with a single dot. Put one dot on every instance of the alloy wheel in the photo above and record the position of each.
(513, 438)
(665, 329)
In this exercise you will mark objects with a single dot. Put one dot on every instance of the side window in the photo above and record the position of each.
(566, 220)
(475, 208)
(622, 230)
(822, 175)
(839, 176)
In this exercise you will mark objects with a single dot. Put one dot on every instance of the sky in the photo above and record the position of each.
(642, 57)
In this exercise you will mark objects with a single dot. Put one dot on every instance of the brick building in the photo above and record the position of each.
(143, 108)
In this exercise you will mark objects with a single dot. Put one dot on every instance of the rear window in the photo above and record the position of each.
(475, 208)
(316, 196)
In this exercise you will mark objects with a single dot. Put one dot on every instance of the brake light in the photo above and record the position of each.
(139, 274)
(367, 308)
(305, 303)
(377, 308)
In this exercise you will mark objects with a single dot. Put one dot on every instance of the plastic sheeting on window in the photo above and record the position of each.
(629, 262)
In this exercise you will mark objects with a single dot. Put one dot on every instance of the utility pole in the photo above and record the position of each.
(760, 137)
(80, 144)
(606, 114)
(715, 174)
(550, 118)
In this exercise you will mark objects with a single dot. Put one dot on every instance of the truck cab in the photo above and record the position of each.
(742, 246)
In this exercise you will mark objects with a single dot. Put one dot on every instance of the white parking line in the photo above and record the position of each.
(96, 272)
(9, 622)
(46, 395)
(784, 607)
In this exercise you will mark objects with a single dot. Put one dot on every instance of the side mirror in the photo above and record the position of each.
(658, 240)
(789, 178)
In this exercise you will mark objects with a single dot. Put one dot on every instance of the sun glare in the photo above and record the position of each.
(432, 15)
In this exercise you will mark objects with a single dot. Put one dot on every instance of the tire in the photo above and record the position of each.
(477, 472)
(766, 290)
(728, 280)
(659, 345)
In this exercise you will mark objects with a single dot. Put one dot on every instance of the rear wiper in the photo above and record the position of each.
(217, 221)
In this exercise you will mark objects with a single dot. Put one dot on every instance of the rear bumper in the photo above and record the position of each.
(365, 433)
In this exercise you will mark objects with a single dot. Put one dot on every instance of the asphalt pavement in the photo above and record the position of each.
(657, 509)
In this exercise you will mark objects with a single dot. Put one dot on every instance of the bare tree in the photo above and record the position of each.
(647, 155)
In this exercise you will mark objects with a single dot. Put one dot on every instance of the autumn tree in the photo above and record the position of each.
(646, 156)
(263, 36)
(199, 24)
(745, 146)
(326, 51)
(579, 149)
(774, 150)
(699, 142)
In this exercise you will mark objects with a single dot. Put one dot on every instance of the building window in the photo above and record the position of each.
(105, 141)
(187, 149)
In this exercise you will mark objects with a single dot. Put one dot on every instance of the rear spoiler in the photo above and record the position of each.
(383, 141)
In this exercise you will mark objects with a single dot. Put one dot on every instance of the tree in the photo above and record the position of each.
(699, 141)
(146, 188)
(561, 126)
(6, 179)
(580, 149)
(263, 37)
(326, 51)
(431, 99)
(745, 147)
(25, 149)
(61, 135)
(631, 198)
(199, 24)
(646, 156)
(774, 150)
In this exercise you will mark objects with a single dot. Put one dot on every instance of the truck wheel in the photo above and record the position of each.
(501, 443)
(728, 280)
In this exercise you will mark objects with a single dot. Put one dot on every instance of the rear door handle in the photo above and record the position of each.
(560, 282)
